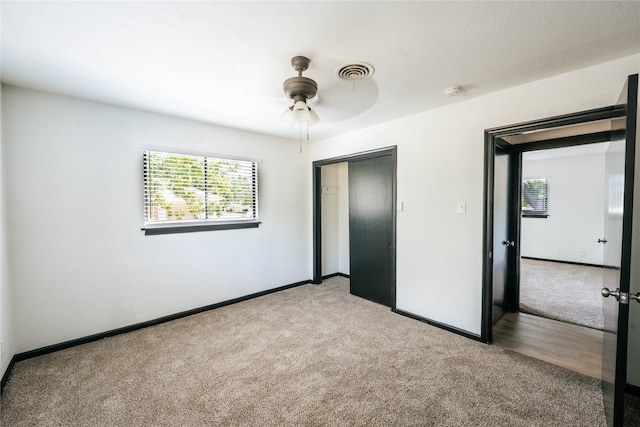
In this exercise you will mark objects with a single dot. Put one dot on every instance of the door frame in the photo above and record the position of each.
(493, 138)
(317, 209)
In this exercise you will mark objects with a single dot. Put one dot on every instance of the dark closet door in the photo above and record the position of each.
(371, 228)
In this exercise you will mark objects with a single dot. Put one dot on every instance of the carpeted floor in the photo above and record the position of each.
(631, 410)
(307, 356)
(566, 292)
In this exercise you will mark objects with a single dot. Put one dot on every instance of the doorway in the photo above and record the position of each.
(550, 307)
(372, 223)
(503, 202)
(518, 234)
(621, 122)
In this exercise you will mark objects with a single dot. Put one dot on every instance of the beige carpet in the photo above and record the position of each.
(566, 292)
(308, 356)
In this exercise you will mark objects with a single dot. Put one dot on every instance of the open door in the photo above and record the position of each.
(619, 179)
(501, 241)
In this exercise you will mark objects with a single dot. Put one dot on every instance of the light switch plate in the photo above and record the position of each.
(330, 190)
(461, 207)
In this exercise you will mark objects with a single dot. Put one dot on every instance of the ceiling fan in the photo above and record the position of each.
(339, 101)
(300, 89)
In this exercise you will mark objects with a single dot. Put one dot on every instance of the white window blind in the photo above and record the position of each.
(535, 197)
(181, 189)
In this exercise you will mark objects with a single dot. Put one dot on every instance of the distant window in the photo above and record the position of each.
(534, 198)
(193, 193)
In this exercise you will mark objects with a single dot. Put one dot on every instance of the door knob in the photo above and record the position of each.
(602, 240)
(606, 292)
(509, 243)
(623, 297)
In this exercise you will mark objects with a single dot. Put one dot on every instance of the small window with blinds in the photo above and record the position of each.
(535, 198)
(184, 193)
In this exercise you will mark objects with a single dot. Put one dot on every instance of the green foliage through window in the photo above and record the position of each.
(196, 189)
(534, 197)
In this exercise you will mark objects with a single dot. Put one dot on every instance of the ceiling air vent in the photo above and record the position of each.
(355, 71)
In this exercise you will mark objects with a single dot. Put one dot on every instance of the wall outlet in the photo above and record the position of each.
(582, 253)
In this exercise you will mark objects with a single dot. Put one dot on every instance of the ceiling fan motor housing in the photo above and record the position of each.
(300, 86)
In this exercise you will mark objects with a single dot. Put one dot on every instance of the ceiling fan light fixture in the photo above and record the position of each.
(288, 117)
(313, 118)
(300, 89)
(300, 106)
(301, 115)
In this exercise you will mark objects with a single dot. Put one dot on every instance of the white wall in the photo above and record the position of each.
(6, 317)
(440, 162)
(80, 263)
(576, 210)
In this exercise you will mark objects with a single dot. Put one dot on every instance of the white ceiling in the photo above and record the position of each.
(224, 62)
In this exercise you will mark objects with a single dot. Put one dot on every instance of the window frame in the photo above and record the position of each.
(189, 226)
(536, 214)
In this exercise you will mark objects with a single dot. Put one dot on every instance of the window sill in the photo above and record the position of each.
(534, 216)
(173, 229)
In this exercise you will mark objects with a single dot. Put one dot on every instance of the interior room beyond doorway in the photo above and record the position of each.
(560, 255)
(561, 245)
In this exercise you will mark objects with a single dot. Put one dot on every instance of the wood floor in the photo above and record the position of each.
(573, 347)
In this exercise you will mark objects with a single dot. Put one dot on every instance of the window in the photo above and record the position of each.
(534, 198)
(185, 193)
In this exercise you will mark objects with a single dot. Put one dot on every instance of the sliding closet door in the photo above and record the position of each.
(371, 228)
